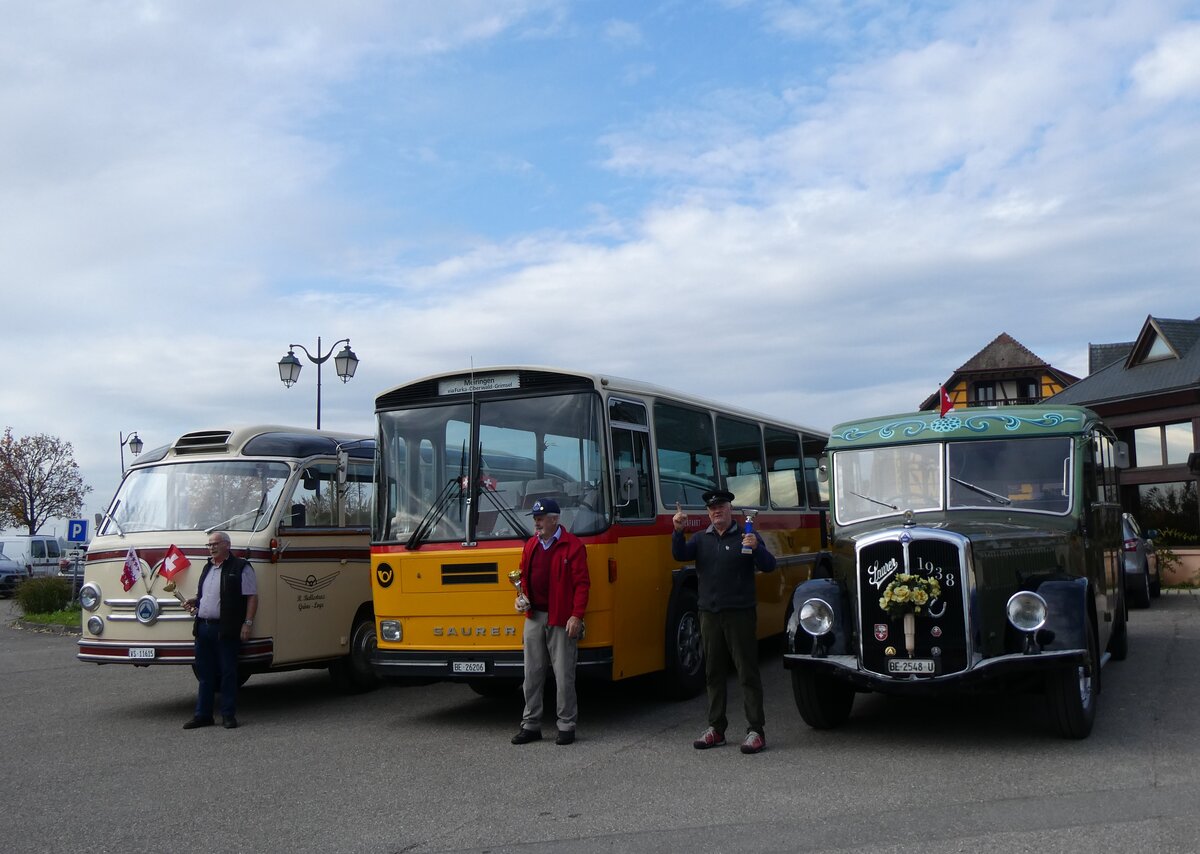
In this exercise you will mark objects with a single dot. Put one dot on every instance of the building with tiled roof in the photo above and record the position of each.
(1003, 373)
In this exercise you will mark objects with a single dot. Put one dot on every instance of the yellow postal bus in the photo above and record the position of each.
(461, 457)
(295, 502)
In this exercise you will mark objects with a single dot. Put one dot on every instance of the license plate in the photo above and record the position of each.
(469, 667)
(141, 652)
(911, 665)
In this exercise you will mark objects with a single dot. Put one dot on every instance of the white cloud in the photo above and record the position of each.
(1172, 68)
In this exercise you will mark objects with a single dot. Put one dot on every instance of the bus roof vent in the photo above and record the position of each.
(206, 441)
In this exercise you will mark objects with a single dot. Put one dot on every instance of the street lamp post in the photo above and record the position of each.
(345, 362)
(135, 446)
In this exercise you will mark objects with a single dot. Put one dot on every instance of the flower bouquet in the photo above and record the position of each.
(906, 596)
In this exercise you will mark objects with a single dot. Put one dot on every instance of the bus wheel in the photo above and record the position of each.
(685, 655)
(353, 673)
(1071, 694)
(823, 702)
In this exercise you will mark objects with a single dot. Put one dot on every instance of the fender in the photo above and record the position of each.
(1066, 612)
(837, 642)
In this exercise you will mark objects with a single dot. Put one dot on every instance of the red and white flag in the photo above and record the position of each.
(133, 569)
(174, 563)
(947, 403)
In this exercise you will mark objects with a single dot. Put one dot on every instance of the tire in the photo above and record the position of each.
(1141, 593)
(1118, 643)
(684, 653)
(823, 702)
(353, 673)
(1071, 694)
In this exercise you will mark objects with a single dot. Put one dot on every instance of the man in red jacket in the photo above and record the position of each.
(554, 595)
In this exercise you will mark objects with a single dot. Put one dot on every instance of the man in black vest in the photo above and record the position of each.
(224, 607)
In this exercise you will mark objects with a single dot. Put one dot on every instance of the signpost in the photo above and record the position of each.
(77, 531)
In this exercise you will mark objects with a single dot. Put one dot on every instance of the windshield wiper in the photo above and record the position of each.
(256, 513)
(873, 500)
(434, 514)
(999, 499)
(111, 518)
(507, 512)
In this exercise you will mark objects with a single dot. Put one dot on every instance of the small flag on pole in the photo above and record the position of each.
(174, 563)
(133, 568)
(947, 403)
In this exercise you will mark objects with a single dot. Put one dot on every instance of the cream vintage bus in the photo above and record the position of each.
(295, 502)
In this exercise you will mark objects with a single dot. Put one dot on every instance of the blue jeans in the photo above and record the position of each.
(216, 669)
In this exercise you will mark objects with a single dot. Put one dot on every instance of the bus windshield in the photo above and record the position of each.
(1013, 474)
(471, 470)
(213, 495)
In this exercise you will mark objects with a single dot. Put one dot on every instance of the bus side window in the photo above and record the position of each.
(313, 499)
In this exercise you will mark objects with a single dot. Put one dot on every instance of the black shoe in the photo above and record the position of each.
(565, 736)
(229, 723)
(196, 723)
(524, 736)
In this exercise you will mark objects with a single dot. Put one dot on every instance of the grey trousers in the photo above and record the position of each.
(548, 647)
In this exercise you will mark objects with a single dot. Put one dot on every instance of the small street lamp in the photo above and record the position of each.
(135, 446)
(345, 362)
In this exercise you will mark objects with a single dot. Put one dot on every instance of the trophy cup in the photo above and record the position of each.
(169, 587)
(515, 577)
(749, 529)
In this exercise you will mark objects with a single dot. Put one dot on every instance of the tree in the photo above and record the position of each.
(39, 481)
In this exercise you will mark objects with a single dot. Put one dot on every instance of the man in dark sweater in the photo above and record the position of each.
(726, 560)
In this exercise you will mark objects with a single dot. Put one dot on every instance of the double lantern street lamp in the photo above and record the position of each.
(135, 446)
(345, 362)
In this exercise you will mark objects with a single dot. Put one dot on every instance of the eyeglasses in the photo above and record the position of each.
(214, 545)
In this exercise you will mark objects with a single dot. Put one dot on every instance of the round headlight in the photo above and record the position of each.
(95, 625)
(89, 597)
(1026, 611)
(816, 617)
(390, 630)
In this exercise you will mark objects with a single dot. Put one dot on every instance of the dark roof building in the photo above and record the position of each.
(1148, 391)
(1003, 373)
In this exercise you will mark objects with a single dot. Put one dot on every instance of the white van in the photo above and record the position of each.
(39, 553)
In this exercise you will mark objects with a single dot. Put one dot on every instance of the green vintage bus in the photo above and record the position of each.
(979, 549)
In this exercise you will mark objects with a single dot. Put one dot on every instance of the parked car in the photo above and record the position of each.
(39, 553)
(1142, 579)
(11, 575)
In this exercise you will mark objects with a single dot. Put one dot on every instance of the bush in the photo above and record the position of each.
(44, 595)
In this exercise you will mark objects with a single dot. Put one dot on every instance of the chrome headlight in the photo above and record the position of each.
(89, 597)
(816, 617)
(95, 625)
(390, 630)
(1026, 611)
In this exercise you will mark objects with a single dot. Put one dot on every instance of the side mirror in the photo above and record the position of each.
(823, 473)
(626, 485)
(1121, 457)
(343, 465)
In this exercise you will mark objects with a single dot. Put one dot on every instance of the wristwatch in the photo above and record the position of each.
(249, 623)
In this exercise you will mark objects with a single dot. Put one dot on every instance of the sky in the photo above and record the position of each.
(816, 210)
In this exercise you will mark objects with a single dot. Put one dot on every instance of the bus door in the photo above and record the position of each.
(642, 584)
(323, 573)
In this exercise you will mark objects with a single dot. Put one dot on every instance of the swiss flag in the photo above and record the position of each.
(947, 403)
(133, 568)
(174, 563)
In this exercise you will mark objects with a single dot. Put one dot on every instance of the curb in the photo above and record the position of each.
(44, 628)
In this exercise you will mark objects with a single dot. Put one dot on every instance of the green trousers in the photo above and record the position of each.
(729, 640)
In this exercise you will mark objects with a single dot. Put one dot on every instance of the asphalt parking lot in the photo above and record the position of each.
(96, 761)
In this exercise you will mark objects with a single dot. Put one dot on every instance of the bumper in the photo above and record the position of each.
(466, 666)
(983, 673)
(257, 652)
